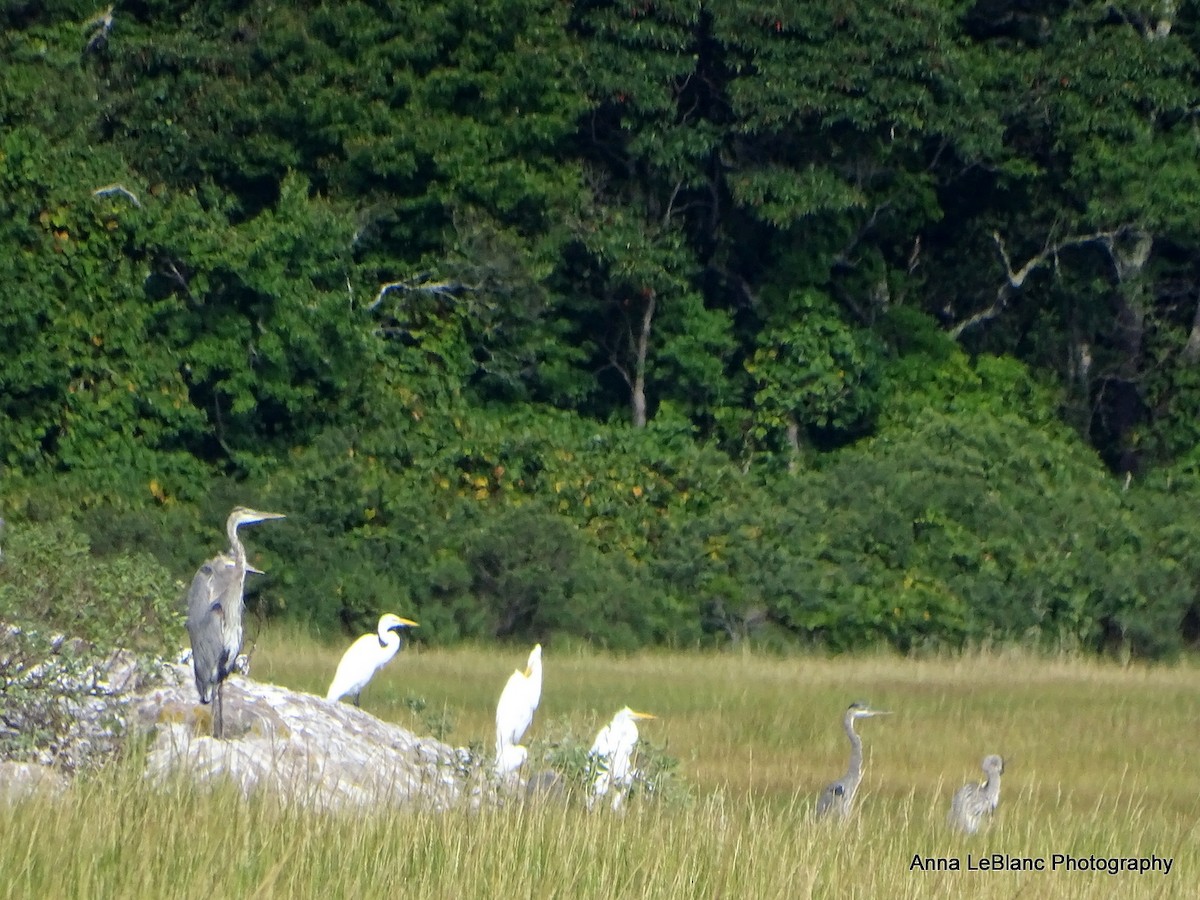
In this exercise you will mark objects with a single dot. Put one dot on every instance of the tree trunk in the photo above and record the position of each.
(793, 439)
(637, 388)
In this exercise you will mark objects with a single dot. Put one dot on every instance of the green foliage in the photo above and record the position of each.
(337, 257)
(51, 580)
(815, 372)
(62, 613)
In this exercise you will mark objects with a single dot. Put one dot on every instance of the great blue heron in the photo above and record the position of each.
(838, 798)
(514, 713)
(214, 621)
(366, 656)
(974, 803)
(611, 754)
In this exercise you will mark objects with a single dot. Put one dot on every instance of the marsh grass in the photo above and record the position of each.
(1100, 761)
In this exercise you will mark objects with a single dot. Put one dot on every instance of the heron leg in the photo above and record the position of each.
(218, 713)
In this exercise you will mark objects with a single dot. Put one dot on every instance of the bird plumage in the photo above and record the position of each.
(514, 712)
(215, 605)
(974, 803)
(612, 752)
(838, 797)
(366, 656)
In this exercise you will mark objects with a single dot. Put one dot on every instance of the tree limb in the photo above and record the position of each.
(1014, 279)
(118, 189)
(444, 288)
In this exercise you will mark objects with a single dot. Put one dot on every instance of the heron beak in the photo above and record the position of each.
(528, 672)
(408, 623)
(250, 568)
(643, 715)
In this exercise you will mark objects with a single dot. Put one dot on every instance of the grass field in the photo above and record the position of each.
(1100, 761)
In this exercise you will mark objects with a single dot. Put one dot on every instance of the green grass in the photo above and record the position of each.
(1099, 762)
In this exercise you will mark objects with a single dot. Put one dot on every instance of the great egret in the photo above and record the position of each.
(974, 803)
(510, 758)
(611, 754)
(366, 656)
(214, 621)
(514, 713)
(838, 797)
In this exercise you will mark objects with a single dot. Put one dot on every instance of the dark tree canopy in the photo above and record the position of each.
(625, 279)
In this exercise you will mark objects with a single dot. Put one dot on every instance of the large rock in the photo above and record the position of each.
(301, 748)
(20, 781)
(298, 747)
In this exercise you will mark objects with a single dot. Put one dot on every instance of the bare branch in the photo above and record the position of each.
(118, 189)
(666, 220)
(1191, 350)
(443, 288)
(98, 28)
(1014, 279)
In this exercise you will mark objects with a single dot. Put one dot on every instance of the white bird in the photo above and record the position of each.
(510, 758)
(611, 754)
(514, 713)
(366, 656)
(973, 803)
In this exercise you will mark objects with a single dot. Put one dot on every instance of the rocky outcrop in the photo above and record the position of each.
(301, 748)
(22, 780)
(78, 707)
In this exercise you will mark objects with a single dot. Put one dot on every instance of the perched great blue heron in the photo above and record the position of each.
(214, 621)
(838, 797)
(366, 656)
(514, 713)
(974, 803)
(611, 754)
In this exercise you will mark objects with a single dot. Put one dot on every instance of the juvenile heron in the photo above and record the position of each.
(366, 656)
(611, 754)
(838, 797)
(514, 713)
(974, 803)
(215, 606)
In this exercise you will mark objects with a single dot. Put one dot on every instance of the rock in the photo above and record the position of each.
(19, 781)
(298, 747)
(303, 749)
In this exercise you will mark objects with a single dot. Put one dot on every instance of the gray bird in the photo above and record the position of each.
(838, 797)
(973, 804)
(215, 605)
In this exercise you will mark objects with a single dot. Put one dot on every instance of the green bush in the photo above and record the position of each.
(62, 612)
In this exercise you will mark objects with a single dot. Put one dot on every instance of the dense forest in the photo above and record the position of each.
(809, 323)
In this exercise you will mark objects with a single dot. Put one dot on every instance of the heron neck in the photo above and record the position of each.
(991, 788)
(235, 545)
(854, 770)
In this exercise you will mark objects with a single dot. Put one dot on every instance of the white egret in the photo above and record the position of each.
(838, 797)
(366, 656)
(510, 758)
(514, 713)
(611, 754)
(973, 804)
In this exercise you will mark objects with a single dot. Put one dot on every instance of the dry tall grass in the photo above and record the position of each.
(1100, 762)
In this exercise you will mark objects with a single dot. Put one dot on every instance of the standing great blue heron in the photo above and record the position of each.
(839, 797)
(611, 754)
(366, 656)
(214, 621)
(973, 803)
(514, 713)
